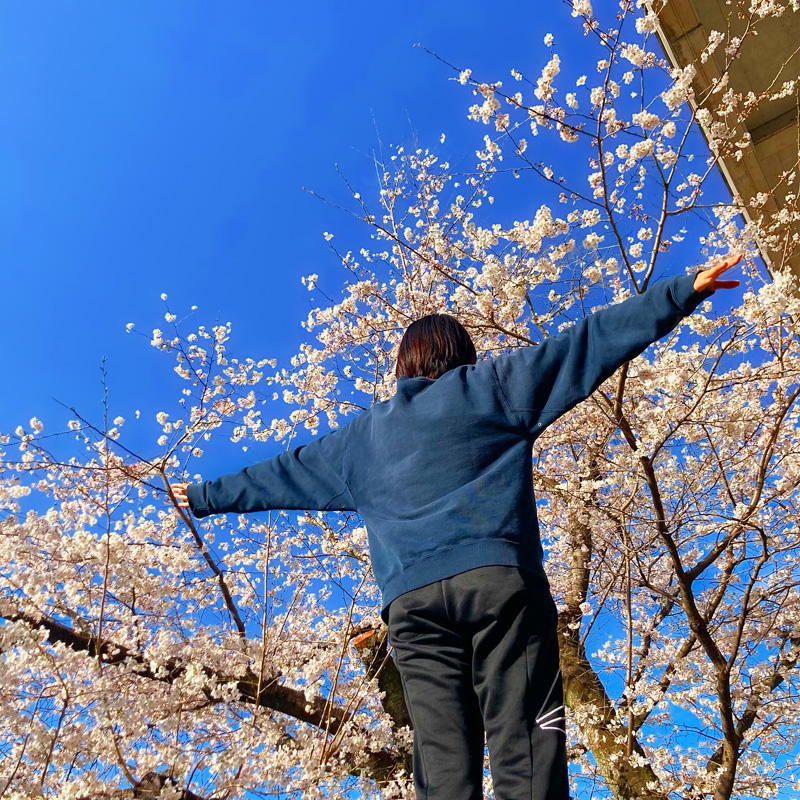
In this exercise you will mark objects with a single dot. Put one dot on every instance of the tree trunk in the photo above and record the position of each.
(606, 737)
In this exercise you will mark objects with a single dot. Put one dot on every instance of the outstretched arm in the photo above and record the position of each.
(541, 383)
(307, 477)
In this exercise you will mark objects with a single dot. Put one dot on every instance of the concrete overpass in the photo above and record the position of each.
(684, 27)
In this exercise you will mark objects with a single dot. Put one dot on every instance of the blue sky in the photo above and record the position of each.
(163, 147)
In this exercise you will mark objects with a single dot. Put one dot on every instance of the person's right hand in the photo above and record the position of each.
(179, 490)
(706, 281)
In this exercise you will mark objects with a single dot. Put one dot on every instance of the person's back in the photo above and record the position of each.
(455, 472)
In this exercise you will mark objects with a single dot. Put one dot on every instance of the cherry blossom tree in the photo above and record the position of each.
(146, 654)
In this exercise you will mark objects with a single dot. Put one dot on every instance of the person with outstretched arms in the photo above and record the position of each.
(441, 474)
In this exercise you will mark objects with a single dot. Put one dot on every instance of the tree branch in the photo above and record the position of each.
(380, 764)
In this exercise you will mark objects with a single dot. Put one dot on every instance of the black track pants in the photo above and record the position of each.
(477, 652)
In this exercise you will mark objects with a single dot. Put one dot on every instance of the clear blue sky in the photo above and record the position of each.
(163, 147)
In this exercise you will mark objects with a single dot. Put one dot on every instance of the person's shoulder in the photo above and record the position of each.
(355, 421)
(472, 377)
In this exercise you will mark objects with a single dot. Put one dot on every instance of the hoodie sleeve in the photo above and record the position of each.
(543, 382)
(307, 477)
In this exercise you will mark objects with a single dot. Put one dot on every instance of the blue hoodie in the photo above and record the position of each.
(441, 473)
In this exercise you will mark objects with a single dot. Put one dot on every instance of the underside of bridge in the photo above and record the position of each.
(764, 63)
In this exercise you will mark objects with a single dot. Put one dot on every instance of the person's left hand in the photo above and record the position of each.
(706, 281)
(179, 490)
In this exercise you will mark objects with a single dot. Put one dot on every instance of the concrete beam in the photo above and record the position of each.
(764, 63)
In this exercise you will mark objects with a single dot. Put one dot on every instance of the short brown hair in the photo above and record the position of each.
(432, 345)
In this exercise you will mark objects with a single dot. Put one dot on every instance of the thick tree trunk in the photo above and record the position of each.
(606, 737)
